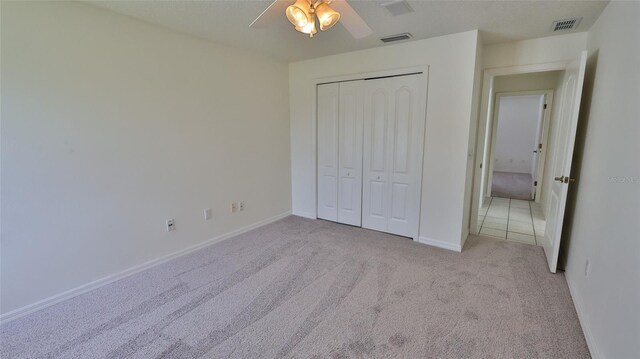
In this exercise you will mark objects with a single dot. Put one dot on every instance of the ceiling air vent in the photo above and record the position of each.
(397, 7)
(399, 37)
(566, 24)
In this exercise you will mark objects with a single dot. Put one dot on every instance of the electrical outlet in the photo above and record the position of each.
(207, 213)
(242, 206)
(171, 226)
(586, 268)
(234, 207)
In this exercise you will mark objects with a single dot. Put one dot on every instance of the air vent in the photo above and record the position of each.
(397, 7)
(399, 37)
(566, 24)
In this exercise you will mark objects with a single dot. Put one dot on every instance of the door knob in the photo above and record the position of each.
(564, 179)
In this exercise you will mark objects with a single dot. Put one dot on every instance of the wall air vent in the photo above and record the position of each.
(399, 37)
(566, 24)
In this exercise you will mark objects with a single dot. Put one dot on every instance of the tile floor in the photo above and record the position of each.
(512, 219)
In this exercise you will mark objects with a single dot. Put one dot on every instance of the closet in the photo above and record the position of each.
(370, 145)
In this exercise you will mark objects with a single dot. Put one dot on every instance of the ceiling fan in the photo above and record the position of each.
(304, 13)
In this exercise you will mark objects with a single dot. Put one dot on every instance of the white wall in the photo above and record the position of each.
(110, 126)
(605, 202)
(468, 216)
(535, 51)
(518, 118)
(527, 82)
(451, 60)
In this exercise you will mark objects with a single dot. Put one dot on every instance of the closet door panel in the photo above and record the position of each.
(393, 145)
(350, 154)
(378, 107)
(402, 132)
(375, 187)
(327, 129)
(399, 198)
(402, 155)
(377, 200)
(406, 174)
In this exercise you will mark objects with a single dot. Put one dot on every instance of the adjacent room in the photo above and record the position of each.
(319, 179)
(518, 131)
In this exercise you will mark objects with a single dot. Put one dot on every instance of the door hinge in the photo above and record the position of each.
(481, 165)
(535, 183)
(539, 146)
(545, 106)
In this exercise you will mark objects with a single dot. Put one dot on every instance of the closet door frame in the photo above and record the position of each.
(424, 69)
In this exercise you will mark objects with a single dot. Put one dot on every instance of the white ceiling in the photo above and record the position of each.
(228, 22)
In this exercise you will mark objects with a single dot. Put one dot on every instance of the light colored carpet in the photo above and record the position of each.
(511, 185)
(309, 288)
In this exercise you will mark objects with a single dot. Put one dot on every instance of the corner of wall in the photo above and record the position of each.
(469, 212)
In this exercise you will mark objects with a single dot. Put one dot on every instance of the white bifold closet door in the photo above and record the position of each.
(350, 154)
(340, 129)
(394, 120)
(370, 145)
(327, 113)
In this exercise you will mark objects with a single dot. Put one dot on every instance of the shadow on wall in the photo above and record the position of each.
(576, 164)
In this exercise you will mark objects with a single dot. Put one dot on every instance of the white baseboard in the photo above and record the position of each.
(440, 244)
(30, 308)
(582, 318)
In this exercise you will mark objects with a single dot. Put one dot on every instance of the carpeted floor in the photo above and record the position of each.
(309, 288)
(511, 185)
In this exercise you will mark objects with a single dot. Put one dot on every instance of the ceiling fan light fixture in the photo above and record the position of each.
(327, 17)
(309, 28)
(299, 14)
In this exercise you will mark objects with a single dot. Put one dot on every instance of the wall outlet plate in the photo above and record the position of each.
(587, 267)
(171, 225)
(242, 206)
(234, 207)
(207, 213)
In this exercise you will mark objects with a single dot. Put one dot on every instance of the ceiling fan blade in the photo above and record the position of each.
(350, 19)
(275, 9)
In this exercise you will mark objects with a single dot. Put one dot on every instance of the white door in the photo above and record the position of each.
(568, 122)
(327, 117)
(394, 120)
(350, 154)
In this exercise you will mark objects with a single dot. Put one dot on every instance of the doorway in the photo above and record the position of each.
(518, 144)
(556, 179)
(517, 147)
